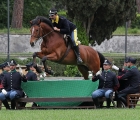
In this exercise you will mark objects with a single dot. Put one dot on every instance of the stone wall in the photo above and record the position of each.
(117, 44)
(17, 44)
(20, 44)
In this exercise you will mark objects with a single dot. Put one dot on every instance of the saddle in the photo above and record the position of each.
(68, 41)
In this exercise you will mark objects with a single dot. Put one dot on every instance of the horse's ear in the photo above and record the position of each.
(38, 21)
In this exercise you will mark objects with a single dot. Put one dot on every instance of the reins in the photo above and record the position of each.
(47, 34)
(44, 36)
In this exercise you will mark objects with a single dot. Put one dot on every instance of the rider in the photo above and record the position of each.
(64, 26)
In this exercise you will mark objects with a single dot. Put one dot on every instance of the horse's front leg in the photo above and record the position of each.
(37, 54)
(52, 57)
(41, 56)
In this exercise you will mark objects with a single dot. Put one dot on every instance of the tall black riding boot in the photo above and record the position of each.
(5, 102)
(96, 102)
(13, 104)
(108, 101)
(76, 50)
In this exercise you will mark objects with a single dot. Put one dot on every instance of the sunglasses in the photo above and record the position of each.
(12, 65)
(105, 64)
(51, 15)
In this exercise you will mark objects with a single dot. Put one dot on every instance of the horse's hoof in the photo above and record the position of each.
(34, 54)
(44, 59)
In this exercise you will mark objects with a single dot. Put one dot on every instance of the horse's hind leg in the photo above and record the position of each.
(84, 71)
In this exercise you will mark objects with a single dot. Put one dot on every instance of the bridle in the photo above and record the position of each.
(41, 37)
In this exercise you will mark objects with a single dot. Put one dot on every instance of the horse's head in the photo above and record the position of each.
(37, 30)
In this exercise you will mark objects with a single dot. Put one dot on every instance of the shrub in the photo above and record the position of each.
(136, 23)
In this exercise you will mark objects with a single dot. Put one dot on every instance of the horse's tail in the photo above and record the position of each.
(102, 58)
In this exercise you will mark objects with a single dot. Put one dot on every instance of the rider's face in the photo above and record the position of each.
(53, 17)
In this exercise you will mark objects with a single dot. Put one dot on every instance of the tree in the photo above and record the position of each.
(3, 11)
(138, 5)
(17, 16)
(34, 8)
(100, 18)
(25, 10)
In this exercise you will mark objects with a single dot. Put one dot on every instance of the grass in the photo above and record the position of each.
(130, 31)
(71, 114)
(119, 31)
(15, 31)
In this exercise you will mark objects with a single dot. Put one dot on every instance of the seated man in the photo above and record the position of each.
(121, 71)
(107, 83)
(31, 76)
(5, 69)
(12, 86)
(133, 77)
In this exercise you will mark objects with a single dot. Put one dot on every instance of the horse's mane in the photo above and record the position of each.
(42, 19)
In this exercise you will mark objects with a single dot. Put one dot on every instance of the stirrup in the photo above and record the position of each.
(79, 60)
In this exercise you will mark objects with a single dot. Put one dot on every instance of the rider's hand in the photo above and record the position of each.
(56, 29)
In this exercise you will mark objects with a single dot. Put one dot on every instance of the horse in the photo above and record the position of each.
(55, 49)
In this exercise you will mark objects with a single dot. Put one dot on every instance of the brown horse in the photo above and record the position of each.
(54, 48)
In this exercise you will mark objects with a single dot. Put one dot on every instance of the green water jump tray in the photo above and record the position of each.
(57, 88)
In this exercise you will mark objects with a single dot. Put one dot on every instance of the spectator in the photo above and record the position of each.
(50, 71)
(107, 83)
(121, 71)
(5, 69)
(12, 86)
(31, 76)
(133, 77)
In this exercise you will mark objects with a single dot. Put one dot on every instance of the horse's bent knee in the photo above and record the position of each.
(44, 59)
(34, 54)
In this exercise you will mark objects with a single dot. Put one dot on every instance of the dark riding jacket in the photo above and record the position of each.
(1, 78)
(107, 80)
(31, 76)
(12, 81)
(65, 26)
(133, 77)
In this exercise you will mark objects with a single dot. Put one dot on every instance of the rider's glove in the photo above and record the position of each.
(4, 91)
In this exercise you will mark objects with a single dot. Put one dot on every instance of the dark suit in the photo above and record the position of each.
(31, 76)
(107, 83)
(133, 77)
(1, 78)
(123, 83)
(12, 84)
(12, 81)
